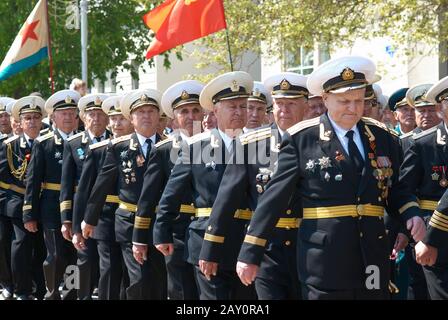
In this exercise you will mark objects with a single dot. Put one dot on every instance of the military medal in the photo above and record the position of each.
(210, 165)
(140, 160)
(310, 165)
(435, 176)
(123, 154)
(325, 162)
(58, 155)
(338, 177)
(374, 163)
(260, 188)
(327, 176)
(443, 182)
(339, 156)
(80, 153)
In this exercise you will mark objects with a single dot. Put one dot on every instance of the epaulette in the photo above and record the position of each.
(11, 139)
(122, 138)
(75, 136)
(303, 125)
(46, 136)
(164, 141)
(44, 131)
(425, 133)
(257, 135)
(410, 133)
(381, 125)
(3, 136)
(99, 144)
(199, 137)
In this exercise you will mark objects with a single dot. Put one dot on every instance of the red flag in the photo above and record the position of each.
(176, 22)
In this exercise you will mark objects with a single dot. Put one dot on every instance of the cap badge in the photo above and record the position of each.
(347, 74)
(185, 95)
(285, 85)
(234, 87)
(98, 101)
(33, 105)
(68, 99)
(257, 92)
(144, 98)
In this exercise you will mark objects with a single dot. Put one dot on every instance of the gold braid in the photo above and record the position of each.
(21, 170)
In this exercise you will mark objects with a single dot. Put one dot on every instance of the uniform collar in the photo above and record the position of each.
(341, 132)
(64, 135)
(103, 136)
(142, 139)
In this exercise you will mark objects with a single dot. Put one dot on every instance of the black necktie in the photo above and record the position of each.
(31, 141)
(99, 139)
(354, 153)
(148, 147)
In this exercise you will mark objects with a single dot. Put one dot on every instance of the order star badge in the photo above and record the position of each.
(325, 163)
(310, 165)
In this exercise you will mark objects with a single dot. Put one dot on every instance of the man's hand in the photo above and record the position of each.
(208, 268)
(246, 272)
(79, 242)
(426, 255)
(66, 230)
(31, 226)
(87, 230)
(400, 243)
(166, 248)
(140, 252)
(417, 227)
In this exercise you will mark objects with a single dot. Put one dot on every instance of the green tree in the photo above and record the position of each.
(116, 32)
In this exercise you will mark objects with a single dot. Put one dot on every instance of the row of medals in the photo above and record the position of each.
(383, 176)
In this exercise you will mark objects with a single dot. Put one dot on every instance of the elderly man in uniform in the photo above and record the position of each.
(43, 187)
(101, 227)
(179, 102)
(75, 151)
(316, 107)
(345, 169)
(15, 157)
(199, 172)
(403, 112)
(431, 148)
(256, 107)
(123, 169)
(277, 278)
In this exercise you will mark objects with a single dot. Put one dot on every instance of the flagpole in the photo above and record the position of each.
(228, 49)
(50, 56)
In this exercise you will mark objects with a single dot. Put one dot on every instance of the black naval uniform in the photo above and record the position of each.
(342, 232)
(277, 277)
(75, 151)
(14, 160)
(108, 249)
(6, 237)
(181, 283)
(42, 204)
(199, 172)
(425, 172)
(124, 168)
(405, 139)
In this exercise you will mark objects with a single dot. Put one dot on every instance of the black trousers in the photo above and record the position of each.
(181, 281)
(147, 281)
(21, 259)
(88, 268)
(224, 286)
(60, 254)
(310, 292)
(437, 279)
(6, 236)
(111, 269)
(418, 289)
(38, 258)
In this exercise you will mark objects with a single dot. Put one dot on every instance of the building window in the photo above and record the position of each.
(304, 59)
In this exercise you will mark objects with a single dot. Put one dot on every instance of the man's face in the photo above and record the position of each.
(387, 117)
(231, 114)
(120, 126)
(15, 125)
(82, 90)
(65, 120)
(209, 121)
(405, 115)
(31, 123)
(287, 112)
(145, 119)
(5, 123)
(256, 112)
(346, 108)
(95, 121)
(186, 115)
(427, 117)
(371, 109)
(316, 108)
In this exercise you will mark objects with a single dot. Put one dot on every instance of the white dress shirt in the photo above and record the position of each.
(143, 143)
(227, 140)
(341, 132)
(64, 135)
(92, 137)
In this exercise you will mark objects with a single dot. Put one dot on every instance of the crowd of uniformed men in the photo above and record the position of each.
(300, 187)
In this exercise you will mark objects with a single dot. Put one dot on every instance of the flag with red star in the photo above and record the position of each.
(31, 44)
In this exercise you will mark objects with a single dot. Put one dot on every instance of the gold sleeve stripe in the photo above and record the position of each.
(441, 216)
(255, 240)
(407, 206)
(213, 238)
(437, 226)
(27, 207)
(66, 205)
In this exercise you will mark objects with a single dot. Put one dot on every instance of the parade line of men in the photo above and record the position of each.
(300, 187)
